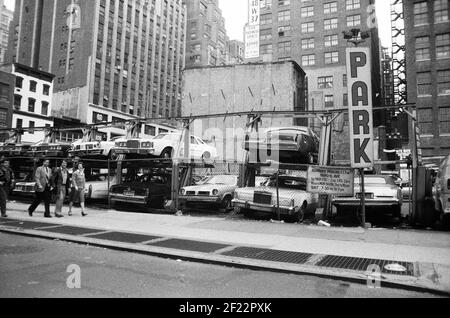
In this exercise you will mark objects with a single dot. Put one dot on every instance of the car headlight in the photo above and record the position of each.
(183, 192)
(215, 192)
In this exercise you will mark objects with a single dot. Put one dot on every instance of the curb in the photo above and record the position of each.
(406, 283)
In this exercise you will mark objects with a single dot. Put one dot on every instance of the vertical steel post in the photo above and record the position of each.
(363, 199)
(278, 195)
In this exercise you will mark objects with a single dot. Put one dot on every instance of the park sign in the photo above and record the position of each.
(360, 107)
(330, 180)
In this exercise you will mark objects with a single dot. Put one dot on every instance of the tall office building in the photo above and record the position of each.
(235, 51)
(112, 59)
(6, 16)
(311, 33)
(206, 38)
(427, 30)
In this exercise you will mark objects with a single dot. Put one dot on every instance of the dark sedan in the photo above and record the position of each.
(148, 190)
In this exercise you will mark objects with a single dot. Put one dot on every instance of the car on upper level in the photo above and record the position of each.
(295, 144)
(54, 150)
(164, 146)
(382, 194)
(293, 202)
(150, 190)
(135, 146)
(9, 149)
(93, 148)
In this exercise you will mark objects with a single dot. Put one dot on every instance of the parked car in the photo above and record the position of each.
(93, 148)
(25, 185)
(164, 145)
(381, 193)
(216, 191)
(97, 186)
(57, 149)
(441, 191)
(294, 144)
(9, 149)
(149, 190)
(137, 146)
(294, 201)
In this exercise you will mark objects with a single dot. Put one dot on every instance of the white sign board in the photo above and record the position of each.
(252, 41)
(253, 12)
(360, 107)
(331, 180)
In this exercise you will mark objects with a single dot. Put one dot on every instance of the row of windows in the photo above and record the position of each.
(425, 87)
(325, 82)
(423, 49)
(33, 86)
(330, 58)
(331, 24)
(31, 105)
(421, 12)
(328, 7)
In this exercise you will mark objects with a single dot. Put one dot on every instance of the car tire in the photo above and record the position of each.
(206, 156)
(226, 203)
(397, 211)
(166, 153)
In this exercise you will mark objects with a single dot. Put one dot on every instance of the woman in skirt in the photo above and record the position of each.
(79, 184)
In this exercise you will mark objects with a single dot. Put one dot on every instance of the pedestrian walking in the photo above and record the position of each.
(72, 192)
(60, 182)
(79, 184)
(6, 183)
(42, 177)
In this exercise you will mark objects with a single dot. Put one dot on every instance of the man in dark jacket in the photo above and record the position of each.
(60, 181)
(6, 182)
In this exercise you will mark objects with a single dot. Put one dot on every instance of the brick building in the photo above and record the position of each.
(6, 16)
(427, 30)
(111, 58)
(7, 81)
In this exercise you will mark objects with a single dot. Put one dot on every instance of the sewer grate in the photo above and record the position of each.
(34, 225)
(124, 237)
(362, 264)
(72, 230)
(270, 255)
(7, 220)
(187, 245)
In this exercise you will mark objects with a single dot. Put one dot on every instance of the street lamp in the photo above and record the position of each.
(356, 36)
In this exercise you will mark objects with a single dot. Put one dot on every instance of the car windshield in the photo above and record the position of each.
(167, 136)
(151, 178)
(98, 177)
(227, 180)
(288, 183)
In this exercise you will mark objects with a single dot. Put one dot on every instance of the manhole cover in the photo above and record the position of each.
(18, 250)
(395, 268)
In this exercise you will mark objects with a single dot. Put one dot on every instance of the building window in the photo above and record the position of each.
(344, 80)
(307, 43)
(307, 12)
(265, 34)
(17, 102)
(329, 101)
(330, 24)
(31, 104)
(266, 49)
(345, 99)
(44, 110)
(266, 4)
(422, 54)
(331, 57)
(33, 86)
(325, 82)
(284, 16)
(4, 118)
(443, 45)
(424, 84)
(352, 4)
(19, 123)
(440, 11)
(4, 93)
(266, 19)
(353, 20)
(284, 48)
(99, 118)
(443, 82)
(331, 40)
(308, 27)
(19, 82)
(284, 3)
(46, 90)
(308, 60)
(420, 13)
(31, 126)
(284, 31)
(423, 41)
(330, 7)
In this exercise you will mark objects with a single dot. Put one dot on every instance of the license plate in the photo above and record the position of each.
(129, 193)
(367, 196)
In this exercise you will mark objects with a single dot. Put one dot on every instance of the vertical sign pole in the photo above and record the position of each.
(363, 200)
(278, 196)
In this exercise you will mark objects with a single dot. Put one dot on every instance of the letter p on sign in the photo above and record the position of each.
(360, 107)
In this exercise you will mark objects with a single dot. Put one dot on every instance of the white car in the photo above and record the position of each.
(164, 145)
(97, 186)
(140, 146)
(294, 201)
(93, 148)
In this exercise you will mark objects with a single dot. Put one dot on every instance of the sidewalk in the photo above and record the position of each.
(430, 250)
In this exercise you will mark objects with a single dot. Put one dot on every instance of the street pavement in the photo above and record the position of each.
(429, 251)
(33, 267)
